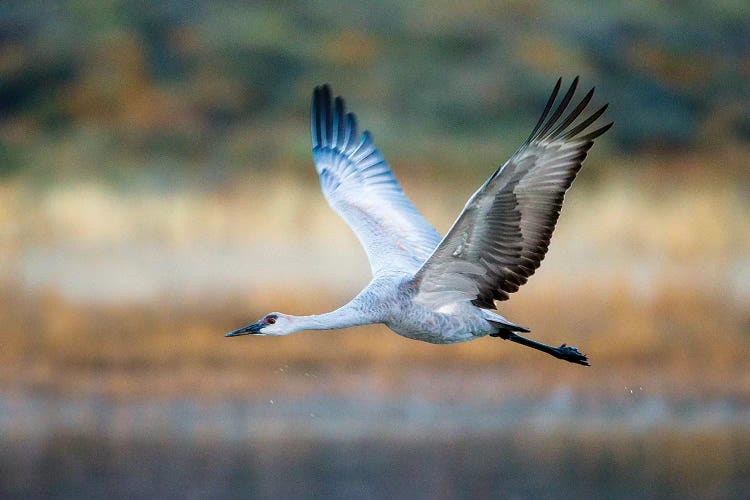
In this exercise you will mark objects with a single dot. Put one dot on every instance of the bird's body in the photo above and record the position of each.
(443, 291)
(389, 299)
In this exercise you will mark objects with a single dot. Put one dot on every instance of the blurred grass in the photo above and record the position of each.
(645, 274)
(682, 344)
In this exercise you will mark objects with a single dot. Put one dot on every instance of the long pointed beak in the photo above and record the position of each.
(253, 329)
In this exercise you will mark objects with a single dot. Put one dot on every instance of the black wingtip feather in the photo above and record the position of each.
(314, 112)
(339, 119)
(330, 125)
(548, 126)
(585, 123)
(573, 114)
(596, 133)
(326, 118)
(560, 109)
(321, 116)
(547, 108)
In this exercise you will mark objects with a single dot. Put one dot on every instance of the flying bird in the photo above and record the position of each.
(443, 290)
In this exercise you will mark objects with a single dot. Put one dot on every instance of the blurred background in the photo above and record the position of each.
(157, 190)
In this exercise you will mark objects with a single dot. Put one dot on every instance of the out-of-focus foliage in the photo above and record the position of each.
(106, 87)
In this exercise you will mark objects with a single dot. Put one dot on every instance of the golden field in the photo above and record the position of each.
(647, 273)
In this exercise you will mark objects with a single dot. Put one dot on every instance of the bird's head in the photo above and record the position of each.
(271, 324)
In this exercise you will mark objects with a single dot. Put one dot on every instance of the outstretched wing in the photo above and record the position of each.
(362, 189)
(503, 233)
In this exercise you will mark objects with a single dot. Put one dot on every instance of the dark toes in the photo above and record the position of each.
(573, 355)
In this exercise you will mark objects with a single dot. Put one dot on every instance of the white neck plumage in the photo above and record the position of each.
(344, 317)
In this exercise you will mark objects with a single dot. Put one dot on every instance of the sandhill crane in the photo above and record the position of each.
(443, 291)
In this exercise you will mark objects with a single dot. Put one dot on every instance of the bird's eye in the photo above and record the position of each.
(271, 320)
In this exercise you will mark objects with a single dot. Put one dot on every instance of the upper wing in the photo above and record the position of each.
(503, 233)
(362, 189)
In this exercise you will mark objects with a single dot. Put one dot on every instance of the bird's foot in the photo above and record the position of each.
(572, 354)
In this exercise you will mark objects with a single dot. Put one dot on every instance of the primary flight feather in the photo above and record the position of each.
(444, 290)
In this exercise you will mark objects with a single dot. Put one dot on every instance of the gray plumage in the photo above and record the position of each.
(437, 290)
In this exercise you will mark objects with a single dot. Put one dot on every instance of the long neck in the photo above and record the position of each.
(343, 317)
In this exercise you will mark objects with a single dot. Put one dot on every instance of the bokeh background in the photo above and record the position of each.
(157, 190)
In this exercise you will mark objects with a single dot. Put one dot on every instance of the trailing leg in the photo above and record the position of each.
(568, 353)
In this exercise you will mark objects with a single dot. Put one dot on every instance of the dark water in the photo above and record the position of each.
(561, 446)
(518, 463)
(554, 447)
